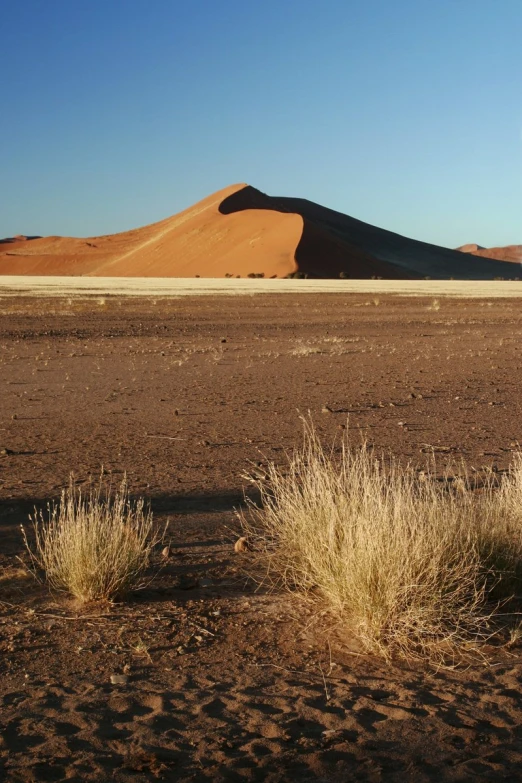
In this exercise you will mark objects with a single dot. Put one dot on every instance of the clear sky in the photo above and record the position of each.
(403, 113)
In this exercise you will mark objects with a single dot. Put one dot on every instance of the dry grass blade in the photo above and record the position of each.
(411, 566)
(96, 546)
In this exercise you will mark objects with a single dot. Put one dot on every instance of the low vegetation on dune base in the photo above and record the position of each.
(414, 565)
(95, 546)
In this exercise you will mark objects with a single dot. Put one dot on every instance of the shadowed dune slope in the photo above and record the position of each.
(240, 231)
(412, 257)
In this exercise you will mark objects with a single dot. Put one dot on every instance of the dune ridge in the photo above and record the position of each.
(240, 231)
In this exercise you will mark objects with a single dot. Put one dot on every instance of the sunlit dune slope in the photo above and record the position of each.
(240, 231)
(198, 241)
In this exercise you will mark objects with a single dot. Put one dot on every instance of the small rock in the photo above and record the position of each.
(241, 545)
(6, 452)
(223, 339)
(326, 409)
(176, 412)
(165, 552)
(119, 679)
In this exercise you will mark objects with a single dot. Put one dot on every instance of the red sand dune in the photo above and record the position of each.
(507, 253)
(240, 231)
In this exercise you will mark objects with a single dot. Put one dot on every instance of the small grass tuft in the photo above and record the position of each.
(95, 546)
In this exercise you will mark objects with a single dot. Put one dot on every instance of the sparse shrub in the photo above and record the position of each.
(256, 274)
(94, 546)
(411, 566)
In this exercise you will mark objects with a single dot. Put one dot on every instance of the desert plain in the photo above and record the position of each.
(226, 677)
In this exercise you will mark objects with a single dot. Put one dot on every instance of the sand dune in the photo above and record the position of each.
(511, 253)
(240, 231)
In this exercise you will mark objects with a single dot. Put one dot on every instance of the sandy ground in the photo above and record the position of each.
(174, 287)
(228, 681)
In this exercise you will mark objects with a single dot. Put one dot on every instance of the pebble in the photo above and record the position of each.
(119, 679)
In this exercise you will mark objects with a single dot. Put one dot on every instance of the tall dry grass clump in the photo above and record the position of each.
(411, 565)
(95, 546)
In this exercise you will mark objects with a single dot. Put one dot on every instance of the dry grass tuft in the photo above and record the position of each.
(413, 567)
(95, 547)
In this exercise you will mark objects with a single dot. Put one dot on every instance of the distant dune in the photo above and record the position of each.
(507, 253)
(17, 238)
(240, 231)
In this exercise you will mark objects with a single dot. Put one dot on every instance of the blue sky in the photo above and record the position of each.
(403, 113)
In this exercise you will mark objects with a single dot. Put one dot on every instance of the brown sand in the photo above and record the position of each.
(227, 682)
(240, 231)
